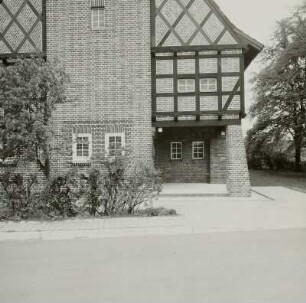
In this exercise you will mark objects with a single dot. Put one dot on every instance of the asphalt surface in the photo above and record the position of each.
(232, 267)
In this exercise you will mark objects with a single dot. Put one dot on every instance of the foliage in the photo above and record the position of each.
(121, 186)
(17, 194)
(280, 105)
(93, 192)
(159, 211)
(142, 185)
(61, 195)
(263, 153)
(29, 92)
(118, 187)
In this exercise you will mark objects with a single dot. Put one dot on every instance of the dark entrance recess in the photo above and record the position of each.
(186, 169)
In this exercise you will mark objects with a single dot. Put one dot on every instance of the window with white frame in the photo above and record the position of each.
(176, 150)
(186, 85)
(82, 147)
(97, 18)
(198, 150)
(208, 85)
(114, 144)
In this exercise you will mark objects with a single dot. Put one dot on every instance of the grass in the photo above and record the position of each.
(293, 180)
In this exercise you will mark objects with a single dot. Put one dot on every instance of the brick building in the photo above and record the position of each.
(162, 78)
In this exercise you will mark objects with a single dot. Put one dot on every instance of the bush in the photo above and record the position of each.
(120, 187)
(17, 194)
(142, 185)
(117, 187)
(269, 160)
(61, 195)
(93, 192)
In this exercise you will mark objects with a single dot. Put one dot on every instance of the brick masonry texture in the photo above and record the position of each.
(110, 74)
(238, 182)
(211, 169)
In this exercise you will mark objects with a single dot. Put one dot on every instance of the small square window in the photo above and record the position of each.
(176, 150)
(186, 85)
(97, 18)
(198, 150)
(82, 147)
(208, 85)
(114, 144)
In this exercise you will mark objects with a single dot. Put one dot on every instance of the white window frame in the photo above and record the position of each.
(97, 18)
(107, 137)
(175, 155)
(75, 157)
(184, 86)
(197, 157)
(208, 85)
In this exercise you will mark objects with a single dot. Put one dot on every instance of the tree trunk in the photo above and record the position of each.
(298, 148)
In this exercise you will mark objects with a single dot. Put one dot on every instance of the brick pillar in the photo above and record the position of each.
(238, 180)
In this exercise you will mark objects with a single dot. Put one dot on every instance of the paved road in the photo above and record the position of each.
(259, 267)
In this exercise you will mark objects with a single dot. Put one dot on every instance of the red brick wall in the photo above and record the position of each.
(110, 73)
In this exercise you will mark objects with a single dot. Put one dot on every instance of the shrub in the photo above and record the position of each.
(120, 187)
(142, 185)
(93, 192)
(17, 194)
(61, 195)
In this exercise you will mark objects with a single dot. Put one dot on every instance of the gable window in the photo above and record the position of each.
(97, 18)
(208, 85)
(114, 144)
(186, 85)
(97, 14)
(198, 150)
(176, 150)
(82, 148)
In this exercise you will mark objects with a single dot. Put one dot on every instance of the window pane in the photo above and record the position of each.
(208, 85)
(176, 150)
(186, 85)
(198, 150)
(114, 144)
(97, 18)
(82, 146)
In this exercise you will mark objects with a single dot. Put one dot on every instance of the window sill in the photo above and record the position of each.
(8, 163)
(98, 30)
(81, 163)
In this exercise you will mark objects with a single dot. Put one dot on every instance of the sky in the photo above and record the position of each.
(257, 18)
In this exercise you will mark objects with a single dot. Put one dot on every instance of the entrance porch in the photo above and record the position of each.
(203, 155)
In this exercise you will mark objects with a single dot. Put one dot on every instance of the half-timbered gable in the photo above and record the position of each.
(22, 27)
(198, 63)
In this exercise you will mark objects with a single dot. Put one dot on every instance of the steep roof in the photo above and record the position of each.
(253, 46)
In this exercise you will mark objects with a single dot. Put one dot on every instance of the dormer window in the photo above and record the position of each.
(97, 14)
